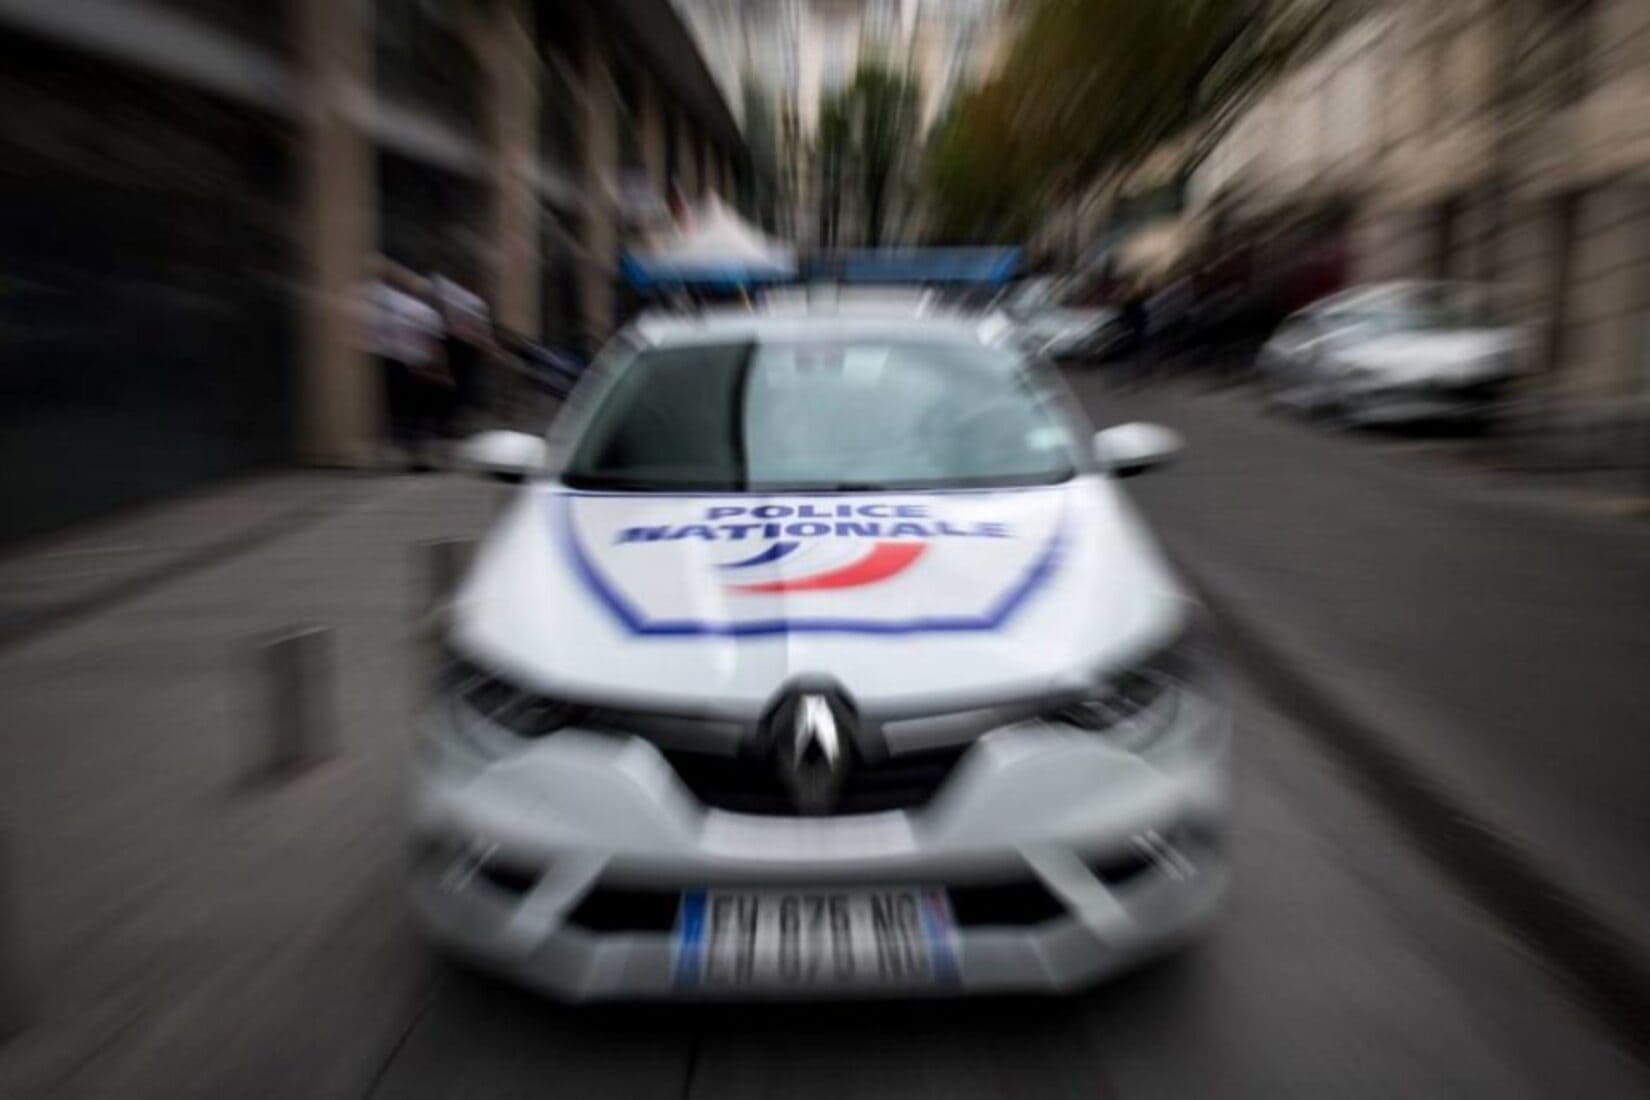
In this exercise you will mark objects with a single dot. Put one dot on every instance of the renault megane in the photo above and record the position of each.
(819, 655)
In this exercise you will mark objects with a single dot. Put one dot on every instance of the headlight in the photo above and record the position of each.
(1133, 706)
(484, 708)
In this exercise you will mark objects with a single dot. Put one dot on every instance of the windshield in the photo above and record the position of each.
(823, 415)
(1439, 307)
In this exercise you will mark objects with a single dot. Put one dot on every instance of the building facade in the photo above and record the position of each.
(191, 192)
(1502, 141)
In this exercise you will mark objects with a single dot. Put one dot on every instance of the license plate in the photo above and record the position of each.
(733, 939)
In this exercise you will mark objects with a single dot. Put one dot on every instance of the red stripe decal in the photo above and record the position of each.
(886, 559)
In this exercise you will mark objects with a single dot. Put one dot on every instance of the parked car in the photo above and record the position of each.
(1067, 334)
(1396, 352)
(1051, 325)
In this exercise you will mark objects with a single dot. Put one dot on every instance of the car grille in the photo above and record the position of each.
(608, 909)
(752, 785)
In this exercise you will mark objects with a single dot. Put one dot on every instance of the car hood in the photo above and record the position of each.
(909, 601)
(1416, 356)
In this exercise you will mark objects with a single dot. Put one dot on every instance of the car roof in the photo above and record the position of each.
(836, 321)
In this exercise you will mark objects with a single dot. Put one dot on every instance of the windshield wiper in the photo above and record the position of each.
(644, 485)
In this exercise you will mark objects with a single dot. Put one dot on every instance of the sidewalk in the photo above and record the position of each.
(176, 924)
(50, 579)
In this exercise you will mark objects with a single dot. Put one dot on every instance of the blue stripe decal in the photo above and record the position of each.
(1046, 565)
(773, 553)
(690, 938)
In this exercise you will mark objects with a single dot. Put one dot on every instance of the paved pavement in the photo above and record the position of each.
(188, 935)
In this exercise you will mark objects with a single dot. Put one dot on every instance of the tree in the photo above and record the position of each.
(832, 153)
(1091, 87)
(974, 172)
(1106, 81)
(761, 182)
(864, 136)
(882, 117)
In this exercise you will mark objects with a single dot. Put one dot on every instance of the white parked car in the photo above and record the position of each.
(819, 656)
(1394, 352)
(1061, 332)
(1072, 333)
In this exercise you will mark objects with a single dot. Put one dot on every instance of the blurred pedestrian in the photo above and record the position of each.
(467, 341)
(406, 342)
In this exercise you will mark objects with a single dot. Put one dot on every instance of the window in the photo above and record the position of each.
(1438, 80)
(1576, 31)
(824, 415)
(628, 108)
(561, 105)
(422, 58)
(1413, 307)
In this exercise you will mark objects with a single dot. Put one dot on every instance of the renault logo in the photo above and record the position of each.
(813, 750)
(816, 732)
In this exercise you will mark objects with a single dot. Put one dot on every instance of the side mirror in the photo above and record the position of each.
(1136, 447)
(507, 456)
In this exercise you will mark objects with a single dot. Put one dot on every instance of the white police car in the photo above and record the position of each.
(819, 656)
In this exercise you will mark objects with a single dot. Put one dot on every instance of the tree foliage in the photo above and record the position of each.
(1093, 86)
(981, 174)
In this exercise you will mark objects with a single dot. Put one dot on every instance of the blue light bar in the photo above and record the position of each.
(646, 275)
(992, 267)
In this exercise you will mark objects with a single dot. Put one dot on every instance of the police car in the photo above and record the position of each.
(819, 656)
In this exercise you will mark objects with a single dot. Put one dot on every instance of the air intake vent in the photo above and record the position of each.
(752, 785)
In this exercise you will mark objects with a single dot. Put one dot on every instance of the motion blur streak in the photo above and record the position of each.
(279, 278)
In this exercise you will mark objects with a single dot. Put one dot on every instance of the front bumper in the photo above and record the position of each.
(559, 867)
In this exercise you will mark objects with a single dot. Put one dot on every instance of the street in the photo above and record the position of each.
(260, 945)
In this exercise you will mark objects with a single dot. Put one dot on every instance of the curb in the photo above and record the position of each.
(1607, 970)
